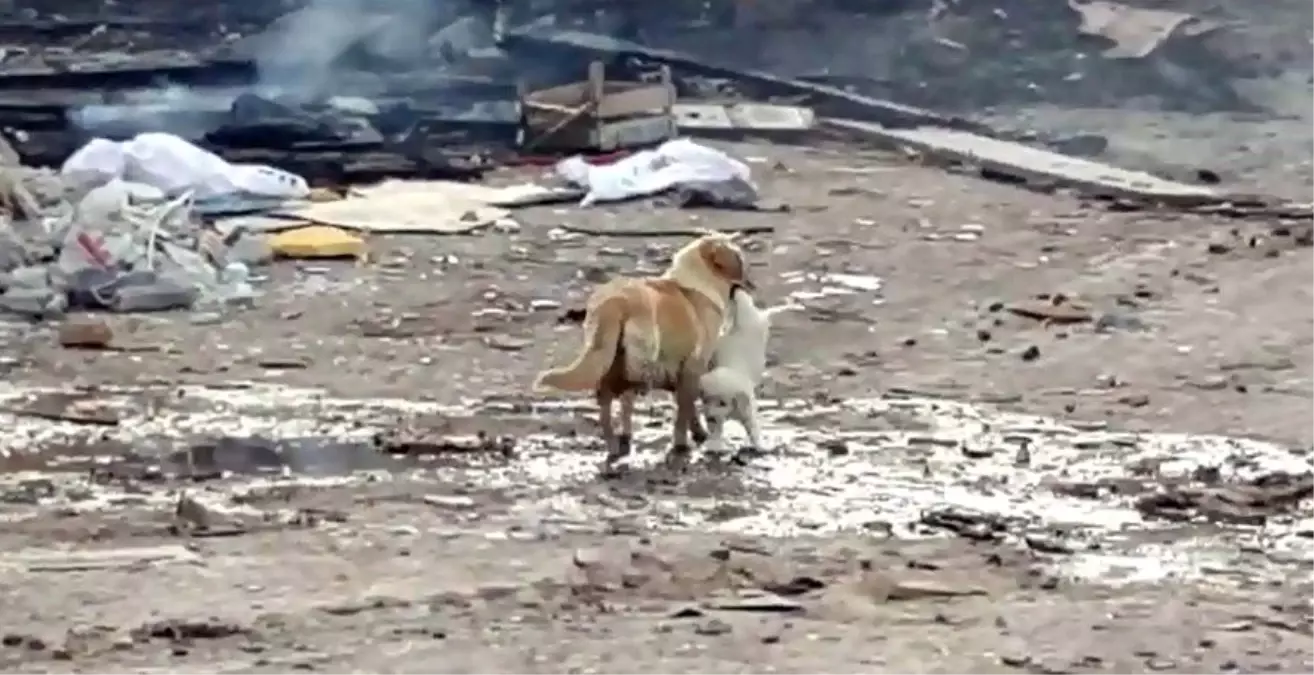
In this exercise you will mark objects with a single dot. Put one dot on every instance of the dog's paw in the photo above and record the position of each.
(610, 470)
(747, 454)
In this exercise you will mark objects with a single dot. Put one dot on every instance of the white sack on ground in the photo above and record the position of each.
(649, 172)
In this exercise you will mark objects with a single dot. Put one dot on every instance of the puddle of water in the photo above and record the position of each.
(315, 457)
(911, 456)
(832, 284)
(214, 458)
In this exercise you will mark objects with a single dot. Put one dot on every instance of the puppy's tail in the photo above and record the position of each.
(602, 334)
(787, 307)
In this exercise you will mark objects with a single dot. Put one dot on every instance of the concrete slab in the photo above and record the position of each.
(743, 117)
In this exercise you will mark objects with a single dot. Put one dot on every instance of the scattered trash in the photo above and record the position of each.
(433, 207)
(317, 241)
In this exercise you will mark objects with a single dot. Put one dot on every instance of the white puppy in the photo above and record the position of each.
(729, 388)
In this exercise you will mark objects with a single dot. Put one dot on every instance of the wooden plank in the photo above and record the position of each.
(650, 99)
(837, 101)
(1036, 167)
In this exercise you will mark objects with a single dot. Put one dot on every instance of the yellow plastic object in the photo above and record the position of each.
(317, 241)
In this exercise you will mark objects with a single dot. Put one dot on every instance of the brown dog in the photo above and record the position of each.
(655, 333)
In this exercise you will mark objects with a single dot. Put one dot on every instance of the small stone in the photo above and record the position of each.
(85, 333)
(1030, 353)
(1160, 663)
(449, 501)
(835, 447)
(11, 640)
(506, 343)
(1015, 660)
(1213, 383)
(712, 627)
(1135, 400)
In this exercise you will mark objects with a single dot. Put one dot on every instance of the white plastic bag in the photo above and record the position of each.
(652, 171)
(174, 165)
(94, 164)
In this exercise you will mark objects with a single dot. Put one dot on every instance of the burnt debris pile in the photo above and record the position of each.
(955, 55)
(369, 75)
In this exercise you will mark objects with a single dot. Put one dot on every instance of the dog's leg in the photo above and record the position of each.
(696, 428)
(686, 397)
(625, 443)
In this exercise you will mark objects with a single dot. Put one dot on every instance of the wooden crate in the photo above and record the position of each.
(597, 114)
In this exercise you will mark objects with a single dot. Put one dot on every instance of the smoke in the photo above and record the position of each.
(305, 53)
(326, 48)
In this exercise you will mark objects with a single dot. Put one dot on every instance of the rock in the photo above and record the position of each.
(1048, 544)
(85, 333)
(586, 557)
(1160, 663)
(1030, 353)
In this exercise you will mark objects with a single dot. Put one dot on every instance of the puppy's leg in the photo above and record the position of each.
(712, 410)
(609, 439)
(746, 405)
(625, 443)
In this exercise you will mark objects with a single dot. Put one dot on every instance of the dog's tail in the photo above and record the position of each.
(602, 335)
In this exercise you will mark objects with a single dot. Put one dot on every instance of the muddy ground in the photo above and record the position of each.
(951, 487)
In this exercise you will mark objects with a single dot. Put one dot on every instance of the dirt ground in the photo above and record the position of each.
(913, 280)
